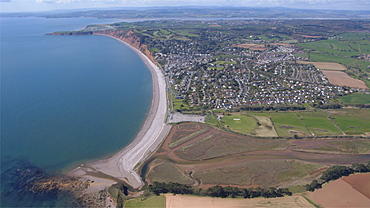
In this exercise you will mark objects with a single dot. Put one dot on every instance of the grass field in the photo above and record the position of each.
(357, 98)
(288, 124)
(240, 123)
(352, 121)
(153, 202)
(318, 123)
(179, 104)
(212, 120)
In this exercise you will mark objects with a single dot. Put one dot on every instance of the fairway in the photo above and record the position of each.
(357, 99)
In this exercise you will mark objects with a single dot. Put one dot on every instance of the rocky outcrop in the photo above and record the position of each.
(130, 38)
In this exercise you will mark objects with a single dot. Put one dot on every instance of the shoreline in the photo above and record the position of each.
(122, 166)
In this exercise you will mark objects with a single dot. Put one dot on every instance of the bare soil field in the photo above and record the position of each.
(341, 193)
(183, 201)
(215, 157)
(360, 182)
(311, 36)
(266, 128)
(325, 65)
(342, 79)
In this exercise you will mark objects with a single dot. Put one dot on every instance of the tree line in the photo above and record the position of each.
(218, 191)
(336, 172)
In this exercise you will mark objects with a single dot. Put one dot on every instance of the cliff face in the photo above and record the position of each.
(130, 38)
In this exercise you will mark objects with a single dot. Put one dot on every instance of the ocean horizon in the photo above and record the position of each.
(66, 100)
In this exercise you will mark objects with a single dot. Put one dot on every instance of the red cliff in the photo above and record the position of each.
(130, 38)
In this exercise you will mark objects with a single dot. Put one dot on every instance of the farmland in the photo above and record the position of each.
(318, 123)
(342, 79)
(325, 65)
(350, 191)
(352, 121)
(357, 98)
(341, 50)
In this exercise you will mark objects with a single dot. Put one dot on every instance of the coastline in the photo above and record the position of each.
(122, 166)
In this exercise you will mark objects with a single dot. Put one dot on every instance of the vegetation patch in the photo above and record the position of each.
(177, 140)
(261, 173)
(353, 147)
(168, 172)
(265, 128)
(296, 170)
(225, 144)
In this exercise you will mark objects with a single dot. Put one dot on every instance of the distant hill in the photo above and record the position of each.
(200, 12)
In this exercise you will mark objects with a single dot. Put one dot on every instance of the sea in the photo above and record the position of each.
(65, 101)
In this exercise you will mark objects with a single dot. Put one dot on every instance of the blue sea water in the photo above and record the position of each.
(67, 99)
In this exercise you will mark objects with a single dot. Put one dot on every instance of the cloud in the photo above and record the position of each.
(5, 0)
(57, 1)
(319, 4)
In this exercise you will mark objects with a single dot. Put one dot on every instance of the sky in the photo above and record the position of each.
(48, 5)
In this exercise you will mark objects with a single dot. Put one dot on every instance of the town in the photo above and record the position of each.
(231, 65)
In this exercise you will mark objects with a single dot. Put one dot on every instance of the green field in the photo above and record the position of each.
(318, 123)
(352, 121)
(288, 124)
(153, 202)
(343, 51)
(240, 123)
(357, 99)
(179, 104)
(212, 120)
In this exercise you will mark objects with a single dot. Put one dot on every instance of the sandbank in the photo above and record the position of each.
(123, 165)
